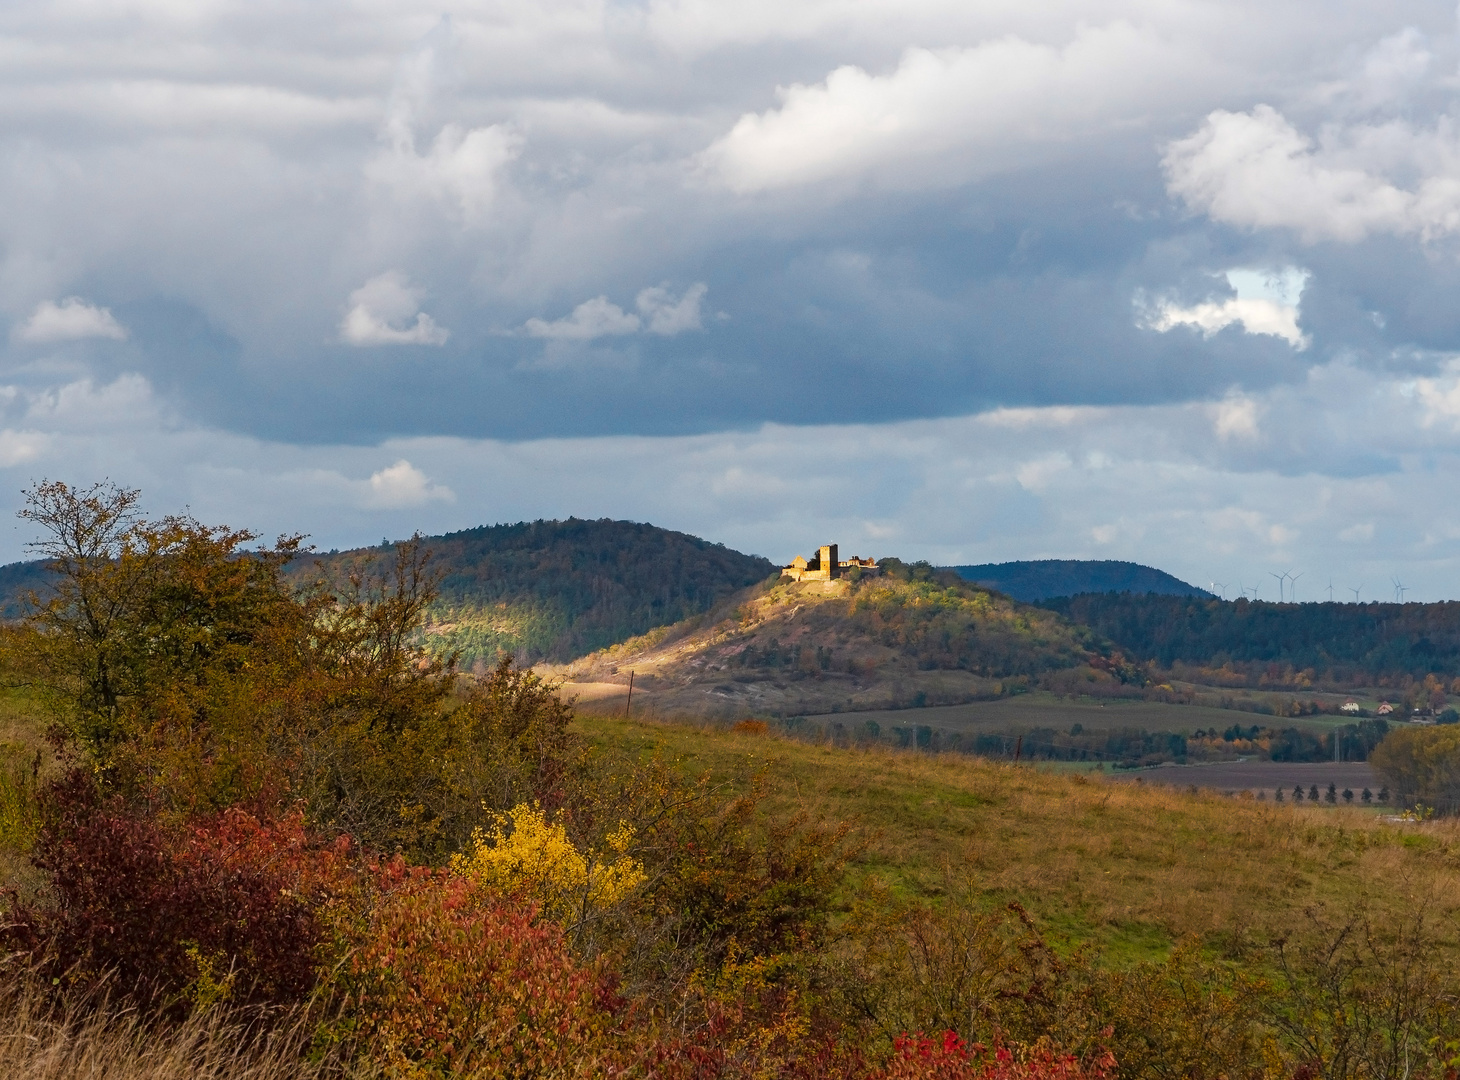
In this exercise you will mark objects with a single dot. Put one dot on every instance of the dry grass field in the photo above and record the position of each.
(1128, 867)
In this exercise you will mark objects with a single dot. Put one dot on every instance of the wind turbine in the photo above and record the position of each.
(1220, 588)
(1293, 581)
(1280, 579)
(1330, 590)
(1357, 591)
(1399, 590)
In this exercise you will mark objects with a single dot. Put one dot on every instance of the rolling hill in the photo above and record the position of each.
(1041, 579)
(555, 590)
(912, 636)
(17, 580)
(543, 590)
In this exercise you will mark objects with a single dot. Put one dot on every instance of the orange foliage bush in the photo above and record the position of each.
(441, 977)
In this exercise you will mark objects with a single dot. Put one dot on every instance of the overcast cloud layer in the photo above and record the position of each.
(1173, 283)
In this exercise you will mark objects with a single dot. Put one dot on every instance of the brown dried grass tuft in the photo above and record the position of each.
(94, 1040)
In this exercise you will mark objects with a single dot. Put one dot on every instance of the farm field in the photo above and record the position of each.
(1040, 709)
(1262, 776)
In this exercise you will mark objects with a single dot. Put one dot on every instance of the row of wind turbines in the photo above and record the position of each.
(1288, 588)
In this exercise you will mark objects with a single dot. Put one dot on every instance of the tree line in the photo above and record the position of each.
(1342, 644)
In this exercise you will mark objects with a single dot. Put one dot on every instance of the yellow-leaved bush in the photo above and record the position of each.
(527, 854)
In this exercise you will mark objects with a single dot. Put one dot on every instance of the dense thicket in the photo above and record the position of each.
(1341, 642)
(556, 590)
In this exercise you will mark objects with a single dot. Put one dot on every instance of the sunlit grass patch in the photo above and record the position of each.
(1130, 867)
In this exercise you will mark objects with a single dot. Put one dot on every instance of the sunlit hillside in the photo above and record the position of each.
(911, 636)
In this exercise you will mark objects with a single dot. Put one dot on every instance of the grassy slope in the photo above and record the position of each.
(1130, 867)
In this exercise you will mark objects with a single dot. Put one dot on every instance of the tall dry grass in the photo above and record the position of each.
(1132, 867)
(97, 1041)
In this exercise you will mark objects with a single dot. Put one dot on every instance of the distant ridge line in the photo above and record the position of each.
(1031, 580)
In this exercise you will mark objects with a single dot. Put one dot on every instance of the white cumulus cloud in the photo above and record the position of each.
(70, 320)
(1236, 417)
(979, 104)
(401, 486)
(381, 311)
(462, 165)
(590, 319)
(659, 313)
(1255, 169)
(665, 315)
(1266, 303)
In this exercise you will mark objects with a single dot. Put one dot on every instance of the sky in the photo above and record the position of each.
(1162, 280)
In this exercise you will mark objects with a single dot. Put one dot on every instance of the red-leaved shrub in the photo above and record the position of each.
(219, 908)
(918, 1057)
(441, 977)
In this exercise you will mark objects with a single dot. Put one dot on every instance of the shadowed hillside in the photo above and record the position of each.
(910, 637)
(555, 590)
(1043, 578)
(17, 580)
(544, 590)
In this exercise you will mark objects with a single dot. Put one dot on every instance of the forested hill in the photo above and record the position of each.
(556, 590)
(544, 590)
(1042, 578)
(17, 580)
(1344, 642)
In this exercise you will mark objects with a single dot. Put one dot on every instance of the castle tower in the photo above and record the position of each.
(829, 562)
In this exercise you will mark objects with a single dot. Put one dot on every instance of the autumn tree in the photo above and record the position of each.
(190, 673)
(1421, 764)
(148, 623)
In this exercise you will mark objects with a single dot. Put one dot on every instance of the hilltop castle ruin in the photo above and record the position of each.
(824, 566)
